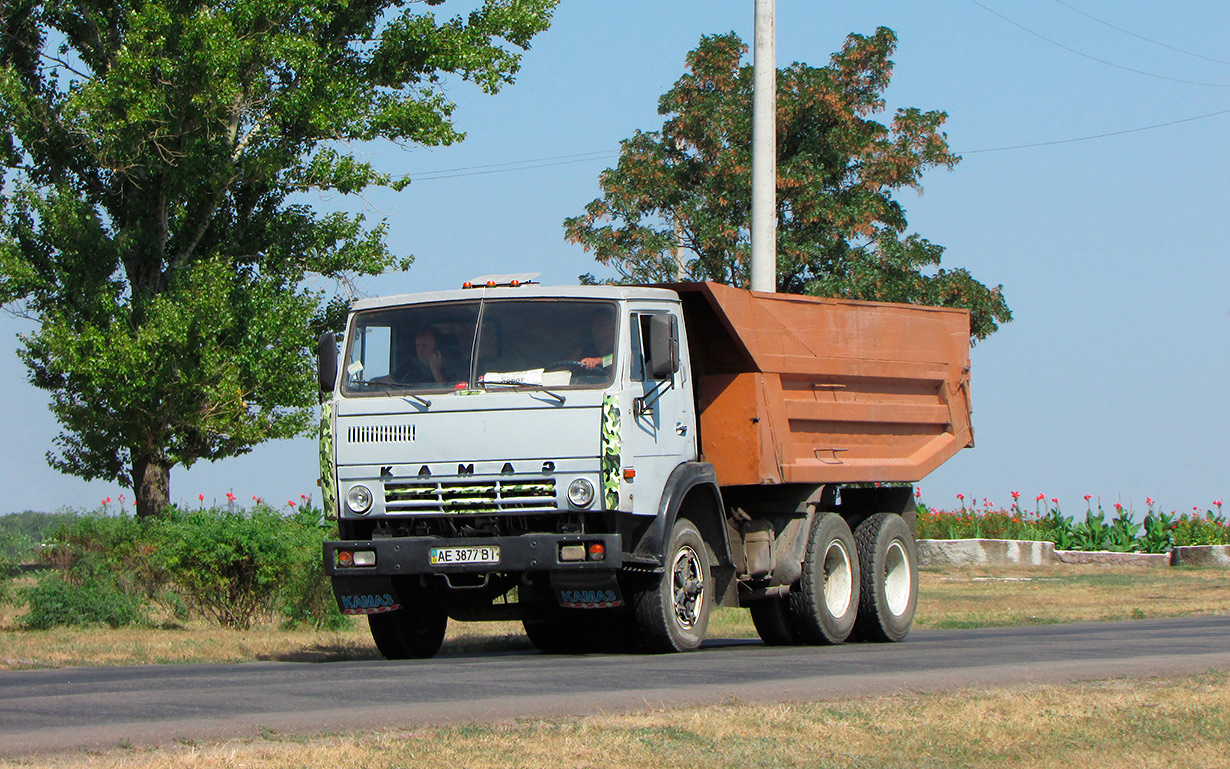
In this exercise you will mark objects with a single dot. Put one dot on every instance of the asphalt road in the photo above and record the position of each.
(48, 710)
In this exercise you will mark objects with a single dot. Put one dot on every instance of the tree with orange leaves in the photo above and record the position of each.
(840, 232)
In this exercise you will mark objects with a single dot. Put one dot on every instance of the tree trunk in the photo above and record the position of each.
(151, 477)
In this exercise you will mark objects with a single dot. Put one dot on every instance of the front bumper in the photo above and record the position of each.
(523, 553)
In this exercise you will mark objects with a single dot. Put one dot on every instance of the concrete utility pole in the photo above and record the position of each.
(764, 149)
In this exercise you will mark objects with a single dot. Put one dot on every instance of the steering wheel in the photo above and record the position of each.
(575, 366)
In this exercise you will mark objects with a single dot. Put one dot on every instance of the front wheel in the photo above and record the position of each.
(672, 615)
(888, 590)
(415, 631)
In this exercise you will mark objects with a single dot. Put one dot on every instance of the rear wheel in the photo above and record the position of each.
(825, 607)
(415, 631)
(772, 621)
(672, 615)
(888, 590)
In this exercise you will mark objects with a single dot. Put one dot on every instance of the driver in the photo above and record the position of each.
(599, 352)
(428, 363)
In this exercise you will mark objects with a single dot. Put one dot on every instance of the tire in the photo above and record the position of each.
(581, 631)
(772, 621)
(824, 608)
(414, 631)
(888, 588)
(673, 614)
(551, 636)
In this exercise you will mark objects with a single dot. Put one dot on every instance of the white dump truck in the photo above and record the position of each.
(606, 464)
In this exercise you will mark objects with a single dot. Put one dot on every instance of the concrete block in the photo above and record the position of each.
(984, 552)
(1119, 559)
(1202, 555)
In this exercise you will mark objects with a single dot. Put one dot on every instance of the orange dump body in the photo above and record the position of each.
(795, 389)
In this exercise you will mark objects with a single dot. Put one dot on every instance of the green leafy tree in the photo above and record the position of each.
(840, 232)
(151, 156)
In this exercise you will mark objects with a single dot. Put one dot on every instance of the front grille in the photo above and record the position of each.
(475, 498)
(380, 433)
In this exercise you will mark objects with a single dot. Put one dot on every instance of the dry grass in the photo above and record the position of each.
(1160, 722)
(986, 597)
(949, 598)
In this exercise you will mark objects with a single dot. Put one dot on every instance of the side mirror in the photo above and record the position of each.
(326, 361)
(663, 359)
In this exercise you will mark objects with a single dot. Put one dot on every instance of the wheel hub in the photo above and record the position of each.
(688, 588)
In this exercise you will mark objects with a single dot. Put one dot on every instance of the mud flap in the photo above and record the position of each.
(365, 595)
(587, 590)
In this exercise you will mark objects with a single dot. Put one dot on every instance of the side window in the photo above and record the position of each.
(636, 369)
(641, 349)
(375, 351)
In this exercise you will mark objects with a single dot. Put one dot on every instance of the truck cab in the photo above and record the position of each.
(504, 438)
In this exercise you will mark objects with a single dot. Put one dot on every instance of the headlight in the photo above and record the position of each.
(359, 499)
(581, 493)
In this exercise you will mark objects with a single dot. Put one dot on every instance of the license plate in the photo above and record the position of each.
(445, 556)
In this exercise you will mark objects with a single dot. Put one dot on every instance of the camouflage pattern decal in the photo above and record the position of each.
(328, 474)
(611, 449)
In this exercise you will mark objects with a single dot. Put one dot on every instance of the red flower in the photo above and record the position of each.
(1149, 501)
(1088, 497)
(1118, 507)
(1055, 500)
(1016, 495)
(230, 497)
(291, 502)
(201, 497)
(1041, 497)
(107, 501)
(959, 496)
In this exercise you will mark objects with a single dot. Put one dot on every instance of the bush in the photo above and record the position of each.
(968, 524)
(1208, 529)
(96, 600)
(1157, 533)
(118, 546)
(8, 569)
(307, 596)
(228, 566)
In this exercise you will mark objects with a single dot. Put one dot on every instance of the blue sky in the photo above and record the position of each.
(1110, 381)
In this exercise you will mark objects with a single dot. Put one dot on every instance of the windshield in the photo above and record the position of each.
(470, 345)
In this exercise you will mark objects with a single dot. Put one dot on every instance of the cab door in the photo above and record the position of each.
(659, 415)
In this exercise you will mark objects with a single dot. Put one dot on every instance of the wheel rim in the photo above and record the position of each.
(687, 587)
(838, 579)
(897, 580)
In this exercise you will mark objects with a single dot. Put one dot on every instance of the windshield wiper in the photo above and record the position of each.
(514, 385)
